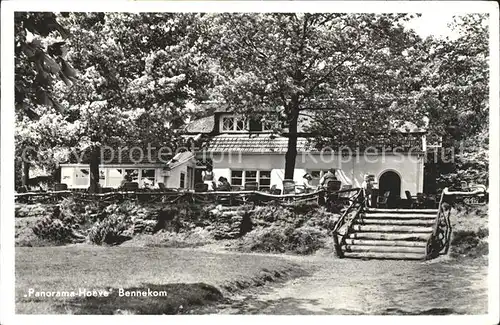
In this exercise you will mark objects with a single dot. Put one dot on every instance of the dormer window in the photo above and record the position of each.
(233, 124)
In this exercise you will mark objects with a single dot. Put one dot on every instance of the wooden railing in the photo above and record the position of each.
(439, 242)
(359, 198)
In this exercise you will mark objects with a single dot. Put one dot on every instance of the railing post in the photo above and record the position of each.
(336, 244)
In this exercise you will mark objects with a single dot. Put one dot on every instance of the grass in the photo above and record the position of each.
(191, 277)
(470, 231)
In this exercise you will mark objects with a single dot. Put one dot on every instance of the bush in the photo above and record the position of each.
(270, 240)
(110, 230)
(305, 240)
(276, 239)
(469, 230)
(54, 230)
(60, 226)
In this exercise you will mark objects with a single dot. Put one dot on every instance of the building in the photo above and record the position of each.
(246, 150)
(148, 170)
(243, 150)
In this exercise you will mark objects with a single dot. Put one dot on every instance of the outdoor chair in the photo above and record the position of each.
(251, 186)
(162, 187)
(409, 199)
(382, 200)
(235, 188)
(420, 200)
(201, 187)
(333, 185)
(60, 187)
(131, 186)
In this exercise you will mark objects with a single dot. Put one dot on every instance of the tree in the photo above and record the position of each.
(455, 95)
(130, 90)
(39, 63)
(292, 64)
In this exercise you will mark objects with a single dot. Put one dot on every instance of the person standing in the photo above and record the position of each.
(367, 187)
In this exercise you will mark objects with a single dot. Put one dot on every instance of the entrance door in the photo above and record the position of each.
(390, 181)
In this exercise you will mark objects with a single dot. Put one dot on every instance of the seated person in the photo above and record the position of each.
(223, 184)
(306, 182)
(208, 178)
(127, 178)
(328, 176)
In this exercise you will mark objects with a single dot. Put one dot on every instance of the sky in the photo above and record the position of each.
(433, 24)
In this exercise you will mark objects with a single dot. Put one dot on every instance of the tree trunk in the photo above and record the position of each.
(26, 173)
(291, 153)
(94, 169)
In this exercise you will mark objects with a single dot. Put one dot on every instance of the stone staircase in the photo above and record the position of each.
(389, 234)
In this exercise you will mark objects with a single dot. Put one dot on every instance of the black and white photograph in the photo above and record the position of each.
(250, 158)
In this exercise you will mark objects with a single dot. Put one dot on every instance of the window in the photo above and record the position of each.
(240, 124)
(265, 178)
(82, 177)
(189, 177)
(267, 126)
(148, 177)
(133, 174)
(237, 177)
(240, 177)
(255, 125)
(227, 123)
(250, 176)
(115, 177)
(102, 176)
(234, 124)
(183, 180)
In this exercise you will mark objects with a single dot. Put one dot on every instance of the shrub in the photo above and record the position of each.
(271, 239)
(110, 230)
(54, 230)
(60, 225)
(305, 240)
(276, 239)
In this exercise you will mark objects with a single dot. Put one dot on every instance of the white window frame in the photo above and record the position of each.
(257, 176)
(182, 180)
(265, 126)
(75, 170)
(141, 178)
(234, 127)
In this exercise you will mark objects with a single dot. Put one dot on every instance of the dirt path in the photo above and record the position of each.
(372, 287)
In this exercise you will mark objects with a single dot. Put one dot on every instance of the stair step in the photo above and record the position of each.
(380, 221)
(389, 249)
(418, 211)
(389, 236)
(384, 215)
(379, 228)
(406, 243)
(385, 255)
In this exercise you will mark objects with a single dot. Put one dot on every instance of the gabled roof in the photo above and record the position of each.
(179, 159)
(202, 125)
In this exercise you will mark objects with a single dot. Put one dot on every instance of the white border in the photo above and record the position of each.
(7, 144)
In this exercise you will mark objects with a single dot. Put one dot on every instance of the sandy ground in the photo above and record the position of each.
(373, 287)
